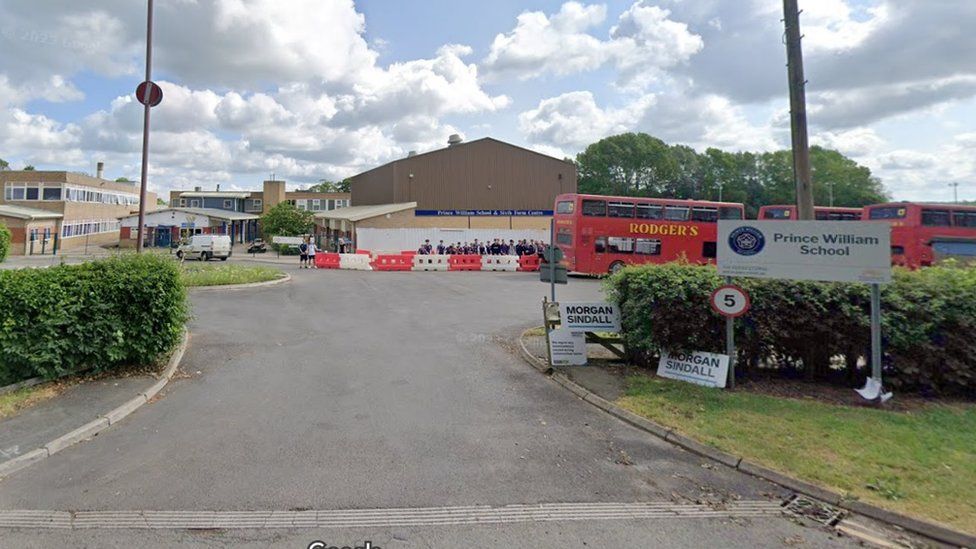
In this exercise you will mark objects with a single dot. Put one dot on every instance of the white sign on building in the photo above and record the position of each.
(708, 369)
(567, 348)
(597, 316)
(838, 251)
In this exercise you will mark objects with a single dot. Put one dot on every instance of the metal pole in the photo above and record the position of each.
(552, 259)
(145, 129)
(955, 192)
(876, 332)
(719, 191)
(798, 111)
(730, 343)
(830, 189)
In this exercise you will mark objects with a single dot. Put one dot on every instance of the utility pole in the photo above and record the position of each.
(798, 111)
(145, 130)
(955, 191)
(720, 185)
(830, 192)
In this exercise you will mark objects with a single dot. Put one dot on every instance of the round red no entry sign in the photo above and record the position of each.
(149, 93)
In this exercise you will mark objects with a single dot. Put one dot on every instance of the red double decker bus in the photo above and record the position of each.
(788, 213)
(921, 234)
(602, 234)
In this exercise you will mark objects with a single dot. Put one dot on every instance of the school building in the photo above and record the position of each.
(456, 193)
(168, 226)
(52, 211)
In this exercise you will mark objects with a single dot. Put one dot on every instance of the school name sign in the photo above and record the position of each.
(835, 251)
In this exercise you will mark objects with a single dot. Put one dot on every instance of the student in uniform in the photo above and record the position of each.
(441, 248)
(311, 254)
(303, 254)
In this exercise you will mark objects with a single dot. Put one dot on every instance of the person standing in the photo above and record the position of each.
(311, 254)
(441, 249)
(303, 254)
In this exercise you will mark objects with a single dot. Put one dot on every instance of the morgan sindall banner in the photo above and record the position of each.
(838, 251)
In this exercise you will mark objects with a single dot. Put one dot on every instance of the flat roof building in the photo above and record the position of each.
(82, 210)
(166, 227)
(481, 185)
(258, 202)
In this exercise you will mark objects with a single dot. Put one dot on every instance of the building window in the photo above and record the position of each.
(33, 193)
(228, 204)
(90, 227)
(194, 203)
(183, 202)
(52, 193)
(258, 203)
(300, 204)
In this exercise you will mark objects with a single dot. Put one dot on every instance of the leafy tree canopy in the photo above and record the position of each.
(29, 168)
(637, 164)
(4, 165)
(124, 180)
(326, 186)
(286, 220)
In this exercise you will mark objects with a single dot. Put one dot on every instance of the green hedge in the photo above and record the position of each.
(929, 323)
(4, 242)
(94, 316)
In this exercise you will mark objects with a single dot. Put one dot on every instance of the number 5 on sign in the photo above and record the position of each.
(730, 301)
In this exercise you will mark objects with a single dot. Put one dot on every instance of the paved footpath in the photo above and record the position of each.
(347, 406)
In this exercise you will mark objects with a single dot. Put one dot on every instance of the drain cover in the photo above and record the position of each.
(812, 509)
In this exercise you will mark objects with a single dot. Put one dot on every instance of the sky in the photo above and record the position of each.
(324, 89)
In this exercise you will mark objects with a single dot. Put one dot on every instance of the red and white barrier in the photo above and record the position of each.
(433, 262)
(499, 263)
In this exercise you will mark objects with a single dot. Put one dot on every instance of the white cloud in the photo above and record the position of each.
(643, 42)
(857, 142)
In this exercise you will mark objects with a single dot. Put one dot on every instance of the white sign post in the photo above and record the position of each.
(597, 316)
(730, 301)
(708, 369)
(567, 348)
(832, 251)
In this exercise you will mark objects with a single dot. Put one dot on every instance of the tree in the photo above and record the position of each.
(29, 168)
(4, 165)
(286, 220)
(124, 180)
(630, 164)
(4, 241)
(326, 186)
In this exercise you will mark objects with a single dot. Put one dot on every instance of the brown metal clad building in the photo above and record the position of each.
(485, 174)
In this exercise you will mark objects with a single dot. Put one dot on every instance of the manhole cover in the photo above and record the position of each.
(804, 507)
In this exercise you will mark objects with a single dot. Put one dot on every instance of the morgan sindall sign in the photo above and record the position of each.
(838, 251)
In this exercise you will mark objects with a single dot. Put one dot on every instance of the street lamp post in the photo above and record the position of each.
(955, 191)
(145, 129)
(720, 185)
(830, 193)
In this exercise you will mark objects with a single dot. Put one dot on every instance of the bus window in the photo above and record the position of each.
(935, 218)
(777, 213)
(620, 245)
(565, 207)
(726, 212)
(620, 209)
(706, 215)
(564, 238)
(709, 249)
(821, 215)
(675, 213)
(648, 246)
(897, 250)
(650, 211)
(964, 219)
(600, 244)
(893, 212)
(842, 216)
(594, 208)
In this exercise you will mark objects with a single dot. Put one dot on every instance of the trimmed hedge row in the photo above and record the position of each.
(4, 242)
(94, 316)
(929, 323)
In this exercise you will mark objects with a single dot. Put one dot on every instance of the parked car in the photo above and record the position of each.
(205, 247)
(257, 247)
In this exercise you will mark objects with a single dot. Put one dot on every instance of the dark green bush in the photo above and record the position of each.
(929, 323)
(94, 316)
(4, 242)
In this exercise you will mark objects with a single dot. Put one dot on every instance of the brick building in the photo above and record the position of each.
(49, 211)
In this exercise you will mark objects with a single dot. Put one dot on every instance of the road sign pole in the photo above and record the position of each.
(552, 259)
(876, 332)
(145, 129)
(730, 343)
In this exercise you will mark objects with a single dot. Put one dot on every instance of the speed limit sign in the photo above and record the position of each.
(730, 300)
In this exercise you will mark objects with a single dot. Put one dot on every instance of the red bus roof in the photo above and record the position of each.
(815, 208)
(650, 200)
(943, 205)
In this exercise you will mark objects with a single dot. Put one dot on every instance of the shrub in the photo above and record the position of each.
(4, 242)
(95, 316)
(929, 323)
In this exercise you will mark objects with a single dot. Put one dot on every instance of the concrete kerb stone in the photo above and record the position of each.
(98, 425)
(927, 529)
(275, 282)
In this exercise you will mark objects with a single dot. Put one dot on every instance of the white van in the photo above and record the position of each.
(205, 246)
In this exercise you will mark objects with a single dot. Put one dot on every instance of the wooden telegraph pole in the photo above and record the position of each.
(798, 111)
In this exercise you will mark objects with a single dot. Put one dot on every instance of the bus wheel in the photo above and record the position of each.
(616, 266)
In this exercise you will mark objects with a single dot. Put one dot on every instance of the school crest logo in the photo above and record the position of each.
(747, 241)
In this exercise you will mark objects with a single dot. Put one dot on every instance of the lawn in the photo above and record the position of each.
(208, 274)
(920, 462)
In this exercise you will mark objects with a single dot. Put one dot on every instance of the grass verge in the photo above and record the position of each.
(920, 463)
(207, 274)
(14, 401)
